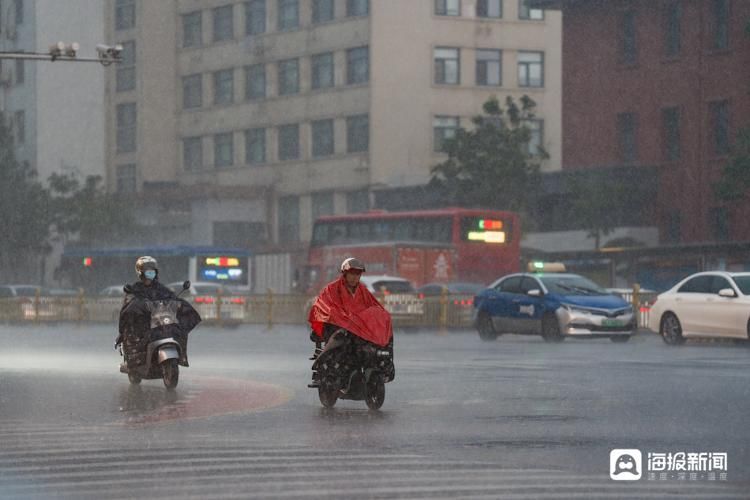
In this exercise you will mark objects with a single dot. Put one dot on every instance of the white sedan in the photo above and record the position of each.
(708, 304)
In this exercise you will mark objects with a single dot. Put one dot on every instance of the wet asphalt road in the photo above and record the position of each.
(515, 418)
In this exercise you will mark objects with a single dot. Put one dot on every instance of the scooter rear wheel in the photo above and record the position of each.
(327, 396)
(375, 394)
(170, 371)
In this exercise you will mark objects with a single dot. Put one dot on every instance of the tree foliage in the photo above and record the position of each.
(85, 211)
(24, 209)
(489, 165)
(735, 177)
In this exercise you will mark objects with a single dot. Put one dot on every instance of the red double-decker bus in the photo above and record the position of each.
(425, 246)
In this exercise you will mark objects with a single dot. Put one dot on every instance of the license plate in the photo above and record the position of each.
(612, 322)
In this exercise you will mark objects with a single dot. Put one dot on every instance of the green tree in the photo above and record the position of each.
(489, 165)
(735, 176)
(24, 212)
(86, 212)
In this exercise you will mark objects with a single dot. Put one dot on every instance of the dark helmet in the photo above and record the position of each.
(144, 263)
(352, 263)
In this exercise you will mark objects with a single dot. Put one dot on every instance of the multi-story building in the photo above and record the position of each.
(261, 115)
(660, 84)
(56, 109)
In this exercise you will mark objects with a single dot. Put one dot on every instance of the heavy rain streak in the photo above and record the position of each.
(374, 249)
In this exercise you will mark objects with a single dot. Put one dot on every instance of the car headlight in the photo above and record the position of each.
(576, 309)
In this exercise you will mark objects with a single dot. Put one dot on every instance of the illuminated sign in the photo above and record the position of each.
(487, 236)
(488, 224)
(222, 261)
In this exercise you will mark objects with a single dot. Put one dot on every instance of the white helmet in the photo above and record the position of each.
(145, 262)
(352, 263)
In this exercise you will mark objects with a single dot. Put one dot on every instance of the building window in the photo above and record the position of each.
(289, 142)
(223, 87)
(718, 221)
(322, 138)
(18, 7)
(125, 76)
(671, 133)
(126, 178)
(124, 14)
(255, 17)
(490, 8)
(126, 127)
(358, 134)
(528, 13)
(288, 11)
(19, 122)
(239, 234)
(447, 66)
(322, 11)
(322, 204)
(719, 24)
(536, 136)
(720, 127)
(192, 29)
(20, 71)
(628, 41)
(444, 128)
(288, 76)
(358, 65)
(489, 67)
(626, 137)
(531, 69)
(224, 150)
(255, 146)
(672, 25)
(322, 71)
(255, 82)
(192, 91)
(192, 154)
(288, 219)
(357, 202)
(223, 23)
(448, 7)
(357, 8)
(674, 227)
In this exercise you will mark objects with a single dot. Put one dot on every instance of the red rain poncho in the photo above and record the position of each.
(360, 313)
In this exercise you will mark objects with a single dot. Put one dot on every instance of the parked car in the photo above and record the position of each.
(113, 291)
(204, 295)
(398, 296)
(706, 304)
(553, 305)
(7, 291)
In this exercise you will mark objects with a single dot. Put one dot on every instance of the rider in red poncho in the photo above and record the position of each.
(346, 303)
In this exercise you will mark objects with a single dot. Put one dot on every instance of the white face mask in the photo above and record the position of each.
(149, 274)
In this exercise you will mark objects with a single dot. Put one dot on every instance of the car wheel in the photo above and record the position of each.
(671, 330)
(620, 339)
(485, 328)
(551, 329)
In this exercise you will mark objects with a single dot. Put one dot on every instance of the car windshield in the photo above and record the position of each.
(743, 283)
(572, 285)
(465, 288)
(393, 286)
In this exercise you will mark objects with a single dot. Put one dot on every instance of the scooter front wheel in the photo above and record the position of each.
(170, 371)
(375, 394)
(134, 378)
(327, 396)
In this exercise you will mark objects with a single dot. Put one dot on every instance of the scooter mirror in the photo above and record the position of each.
(186, 285)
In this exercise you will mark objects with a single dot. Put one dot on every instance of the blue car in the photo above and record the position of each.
(553, 305)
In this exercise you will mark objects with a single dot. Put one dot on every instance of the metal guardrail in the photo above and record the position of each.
(407, 310)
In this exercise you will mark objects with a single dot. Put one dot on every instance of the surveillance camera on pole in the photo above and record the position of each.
(109, 53)
(62, 49)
